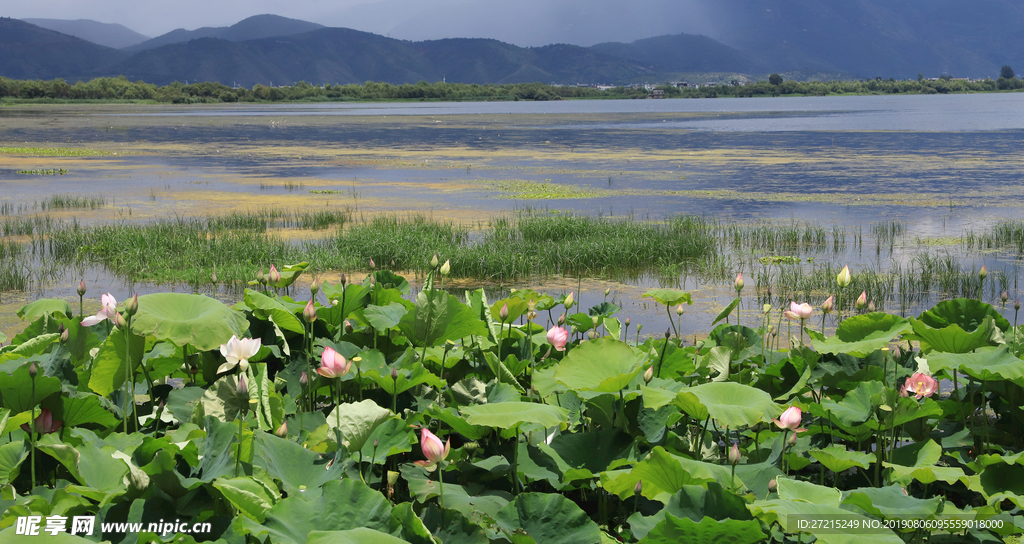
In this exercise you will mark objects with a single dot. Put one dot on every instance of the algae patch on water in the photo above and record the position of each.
(55, 151)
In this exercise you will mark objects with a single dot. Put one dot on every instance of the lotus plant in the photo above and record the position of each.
(435, 452)
(237, 352)
(558, 337)
(842, 280)
(921, 385)
(801, 312)
(106, 313)
(789, 421)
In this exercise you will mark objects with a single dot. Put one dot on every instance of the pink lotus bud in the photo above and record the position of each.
(333, 364)
(132, 306)
(871, 306)
(569, 300)
(734, 453)
(790, 419)
(213, 277)
(828, 305)
(798, 311)
(772, 484)
(348, 327)
(738, 284)
(372, 264)
(649, 374)
(558, 337)
(639, 487)
(679, 310)
(282, 431)
(1003, 297)
(33, 371)
(309, 312)
(561, 320)
(81, 288)
(433, 449)
(303, 380)
(503, 313)
(314, 287)
(344, 280)
(274, 277)
(862, 301)
(983, 273)
(792, 439)
(242, 389)
(44, 423)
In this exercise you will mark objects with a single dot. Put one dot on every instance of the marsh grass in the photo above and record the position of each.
(72, 202)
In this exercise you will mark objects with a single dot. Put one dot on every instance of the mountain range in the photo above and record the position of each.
(799, 38)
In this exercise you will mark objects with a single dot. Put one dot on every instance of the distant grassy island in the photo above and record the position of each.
(121, 89)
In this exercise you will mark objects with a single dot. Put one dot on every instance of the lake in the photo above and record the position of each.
(940, 166)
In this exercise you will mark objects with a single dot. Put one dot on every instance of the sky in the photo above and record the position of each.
(522, 22)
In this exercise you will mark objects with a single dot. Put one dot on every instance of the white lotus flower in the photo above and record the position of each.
(237, 352)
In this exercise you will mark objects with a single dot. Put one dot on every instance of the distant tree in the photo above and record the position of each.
(775, 79)
(1006, 72)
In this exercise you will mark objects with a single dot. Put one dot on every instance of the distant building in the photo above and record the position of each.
(657, 93)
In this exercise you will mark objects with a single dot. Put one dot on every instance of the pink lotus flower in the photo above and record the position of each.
(44, 423)
(558, 337)
(921, 385)
(334, 365)
(798, 311)
(107, 312)
(790, 419)
(238, 351)
(433, 449)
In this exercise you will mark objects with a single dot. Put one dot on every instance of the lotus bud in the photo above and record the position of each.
(591, 334)
(1004, 296)
(213, 277)
(348, 327)
(769, 292)
(376, 442)
(373, 280)
(772, 484)
(896, 353)
(843, 279)
(649, 374)
(828, 305)
(394, 373)
(569, 300)
(734, 453)
(503, 312)
(259, 277)
(132, 306)
(433, 261)
(446, 268)
(81, 288)
(871, 306)
(242, 389)
(639, 487)
(627, 321)
(679, 310)
(792, 439)
(309, 312)
(862, 301)
(668, 333)
(1016, 305)
(282, 431)
(303, 380)
(32, 370)
(344, 280)
(738, 284)
(561, 320)
(594, 320)
(119, 321)
(63, 333)
(274, 277)
(372, 264)
(983, 273)
(607, 291)
(639, 327)
(393, 478)
(314, 287)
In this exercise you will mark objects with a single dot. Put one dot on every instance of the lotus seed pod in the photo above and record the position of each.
(393, 478)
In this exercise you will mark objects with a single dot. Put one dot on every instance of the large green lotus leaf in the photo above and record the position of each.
(452, 528)
(29, 347)
(1000, 481)
(862, 335)
(477, 508)
(838, 458)
(197, 320)
(798, 490)
(954, 338)
(90, 463)
(108, 368)
(664, 474)
(16, 389)
(393, 436)
(360, 535)
(344, 505)
(731, 404)
(781, 510)
(355, 296)
(695, 503)
(439, 317)
(891, 501)
(451, 417)
(299, 469)
(383, 318)
(86, 408)
(984, 364)
(11, 456)
(728, 531)
(917, 462)
(549, 518)
(595, 450)
(413, 528)
(248, 495)
(357, 422)
(856, 407)
(45, 306)
(516, 308)
(968, 313)
(265, 307)
(407, 378)
(507, 415)
(222, 400)
(669, 297)
(606, 365)
(10, 536)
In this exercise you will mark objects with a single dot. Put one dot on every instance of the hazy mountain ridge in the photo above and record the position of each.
(251, 28)
(106, 34)
(28, 51)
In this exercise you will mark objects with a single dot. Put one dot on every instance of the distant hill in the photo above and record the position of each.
(253, 28)
(340, 55)
(28, 51)
(106, 34)
(682, 53)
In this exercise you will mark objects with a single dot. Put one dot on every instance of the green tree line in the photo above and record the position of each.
(121, 89)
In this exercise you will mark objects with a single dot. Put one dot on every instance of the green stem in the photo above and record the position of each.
(668, 309)
(32, 432)
(128, 385)
(515, 463)
(238, 456)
